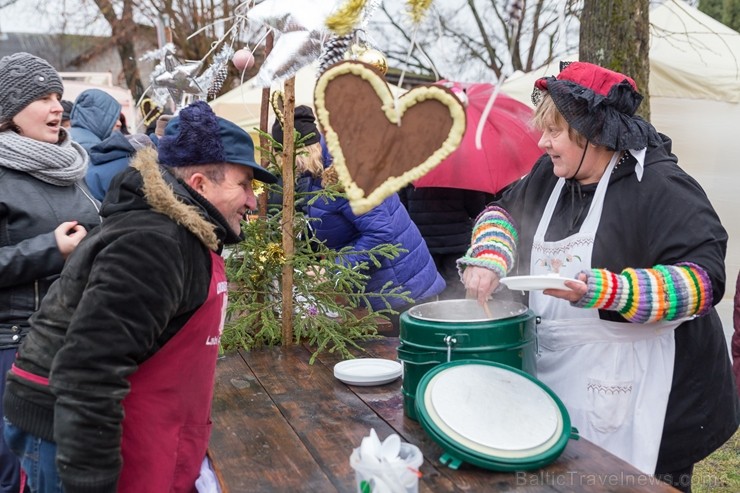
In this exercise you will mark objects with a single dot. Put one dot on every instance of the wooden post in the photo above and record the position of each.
(264, 141)
(288, 210)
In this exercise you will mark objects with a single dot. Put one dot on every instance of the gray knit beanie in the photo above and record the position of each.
(24, 78)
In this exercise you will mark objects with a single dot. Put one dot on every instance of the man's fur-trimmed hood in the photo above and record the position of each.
(163, 193)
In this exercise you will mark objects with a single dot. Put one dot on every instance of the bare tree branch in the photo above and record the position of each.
(476, 39)
(491, 51)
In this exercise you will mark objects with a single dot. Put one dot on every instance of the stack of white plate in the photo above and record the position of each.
(368, 371)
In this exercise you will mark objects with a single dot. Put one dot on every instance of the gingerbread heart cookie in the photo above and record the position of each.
(380, 144)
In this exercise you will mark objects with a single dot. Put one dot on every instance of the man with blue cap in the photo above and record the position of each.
(113, 385)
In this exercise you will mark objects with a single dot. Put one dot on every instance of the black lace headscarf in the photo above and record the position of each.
(600, 104)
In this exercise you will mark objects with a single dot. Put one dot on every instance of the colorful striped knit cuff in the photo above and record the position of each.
(493, 244)
(665, 292)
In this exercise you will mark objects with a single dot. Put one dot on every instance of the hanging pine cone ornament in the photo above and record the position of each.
(218, 81)
(334, 50)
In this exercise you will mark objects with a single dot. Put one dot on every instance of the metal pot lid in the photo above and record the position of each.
(466, 311)
(492, 415)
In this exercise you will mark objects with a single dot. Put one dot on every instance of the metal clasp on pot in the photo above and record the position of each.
(449, 340)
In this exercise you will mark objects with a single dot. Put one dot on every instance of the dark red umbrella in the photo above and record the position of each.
(509, 144)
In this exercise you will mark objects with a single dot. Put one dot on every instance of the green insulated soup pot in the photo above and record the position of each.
(492, 416)
(450, 330)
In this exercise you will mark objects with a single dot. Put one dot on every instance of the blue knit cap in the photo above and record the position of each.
(197, 136)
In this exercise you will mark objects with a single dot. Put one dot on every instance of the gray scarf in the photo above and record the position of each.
(58, 164)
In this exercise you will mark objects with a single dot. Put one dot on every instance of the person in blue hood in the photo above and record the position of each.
(94, 116)
(111, 156)
(95, 122)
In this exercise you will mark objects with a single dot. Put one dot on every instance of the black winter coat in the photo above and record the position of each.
(444, 216)
(664, 219)
(30, 260)
(125, 291)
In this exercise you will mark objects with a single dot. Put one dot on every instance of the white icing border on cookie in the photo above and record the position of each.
(358, 202)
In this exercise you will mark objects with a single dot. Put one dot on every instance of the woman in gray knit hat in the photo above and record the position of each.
(45, 209)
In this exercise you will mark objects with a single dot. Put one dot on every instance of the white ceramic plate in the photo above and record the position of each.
(367, 371)
(533, 283)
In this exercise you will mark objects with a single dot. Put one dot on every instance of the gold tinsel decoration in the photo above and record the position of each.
(276, 101)
(275, 253)
(418, 8)
(346, 18)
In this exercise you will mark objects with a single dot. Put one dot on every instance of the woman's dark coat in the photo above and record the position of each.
(30, 260)
(664, 219)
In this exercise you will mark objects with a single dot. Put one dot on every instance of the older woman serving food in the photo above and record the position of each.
(631, 342)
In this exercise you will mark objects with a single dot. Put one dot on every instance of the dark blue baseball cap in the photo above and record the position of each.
(197, 136)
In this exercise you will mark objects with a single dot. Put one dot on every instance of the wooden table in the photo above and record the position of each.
(282, 425)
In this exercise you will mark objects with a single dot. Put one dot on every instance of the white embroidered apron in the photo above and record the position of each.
(614, 378)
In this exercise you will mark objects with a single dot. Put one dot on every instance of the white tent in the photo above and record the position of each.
(692, 56)
(695, 100)
(242, 104)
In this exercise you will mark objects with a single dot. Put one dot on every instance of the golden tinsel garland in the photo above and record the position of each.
(275, 253)
(417, 9)
(346, 17)
(272, 254)
(276, 101)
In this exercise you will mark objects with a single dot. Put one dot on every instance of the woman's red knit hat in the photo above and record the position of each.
(600, 104)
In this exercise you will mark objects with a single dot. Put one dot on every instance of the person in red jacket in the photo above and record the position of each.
(112, 388)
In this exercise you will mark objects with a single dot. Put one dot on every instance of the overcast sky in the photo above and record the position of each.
(25, 16)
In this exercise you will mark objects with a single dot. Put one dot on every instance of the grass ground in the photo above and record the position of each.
(720, 472)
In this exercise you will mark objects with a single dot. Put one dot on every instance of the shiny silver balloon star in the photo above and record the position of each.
(300, 31)
(179, 78)
(293, 15)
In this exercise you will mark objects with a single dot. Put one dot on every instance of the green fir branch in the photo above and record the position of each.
(329, 296)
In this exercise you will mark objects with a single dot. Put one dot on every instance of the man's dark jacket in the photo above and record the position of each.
(124, 292)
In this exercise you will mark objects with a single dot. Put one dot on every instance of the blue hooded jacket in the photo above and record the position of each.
(93, 117)
(390, 223)
(107, 159)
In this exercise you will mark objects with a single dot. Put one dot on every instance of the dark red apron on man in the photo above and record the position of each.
(167, 420)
